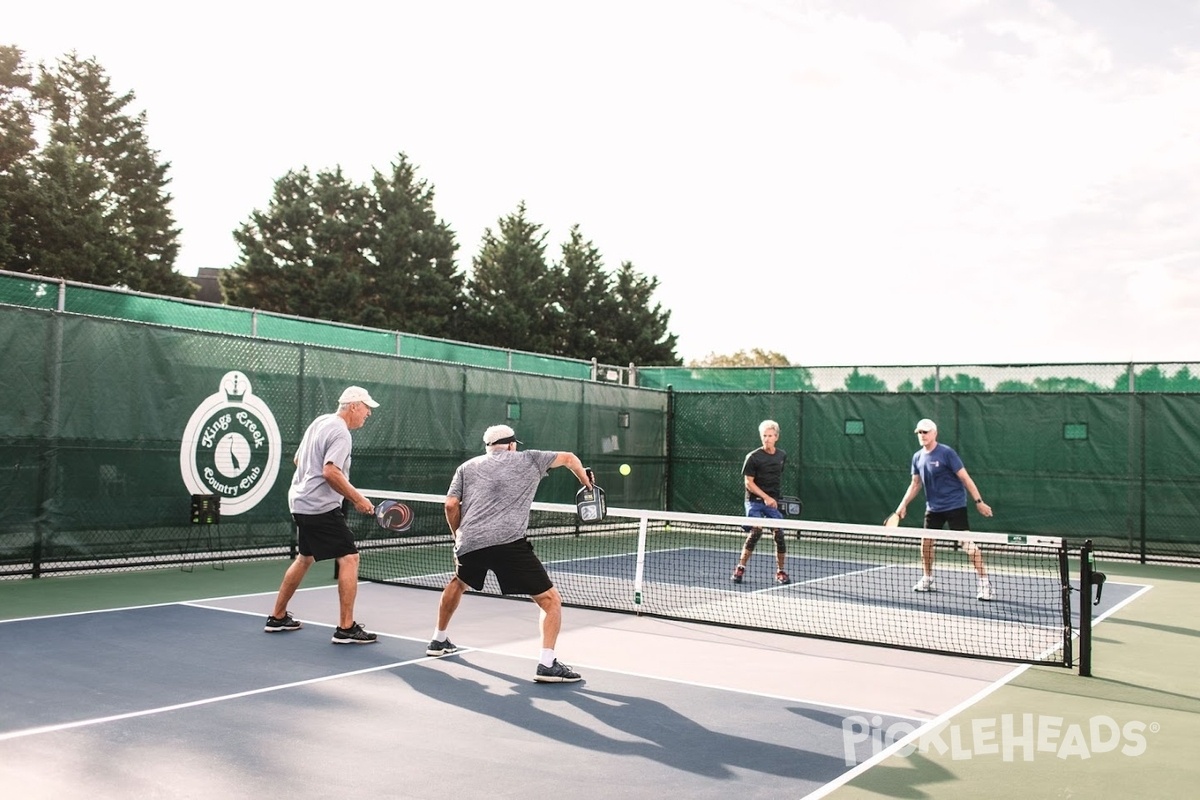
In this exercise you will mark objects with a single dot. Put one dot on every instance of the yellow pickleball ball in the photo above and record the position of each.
(625, 470)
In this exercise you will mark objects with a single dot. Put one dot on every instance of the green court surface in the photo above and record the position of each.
(1127, 731)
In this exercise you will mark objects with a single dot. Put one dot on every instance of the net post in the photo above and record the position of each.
(1064, 572)
(668, 481)
(1085, 609)
(639, 571)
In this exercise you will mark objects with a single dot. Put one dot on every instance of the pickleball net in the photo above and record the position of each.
(846, 582)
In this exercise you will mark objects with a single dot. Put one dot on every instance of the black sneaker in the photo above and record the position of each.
(284, 623)
(352, 635)
(556, 673)
(739, 572)
(443, 648)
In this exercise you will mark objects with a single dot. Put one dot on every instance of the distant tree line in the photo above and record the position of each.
(790, 377)
(1149, 379)
(84, 197)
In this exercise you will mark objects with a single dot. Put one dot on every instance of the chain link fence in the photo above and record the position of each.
(106, 391)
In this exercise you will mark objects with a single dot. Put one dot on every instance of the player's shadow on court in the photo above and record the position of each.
(655, 731)
(914, 778)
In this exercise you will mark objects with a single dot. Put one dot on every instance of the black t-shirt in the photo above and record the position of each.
(767, 471)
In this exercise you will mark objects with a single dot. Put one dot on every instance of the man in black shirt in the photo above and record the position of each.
(762, 473)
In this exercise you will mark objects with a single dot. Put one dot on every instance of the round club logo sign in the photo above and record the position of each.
(231, 447)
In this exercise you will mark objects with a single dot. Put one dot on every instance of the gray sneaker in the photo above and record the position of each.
(443, 648)
(353, 635)
(280, 624)
(558, 672)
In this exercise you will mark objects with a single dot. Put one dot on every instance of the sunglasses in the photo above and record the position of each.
(924, 432)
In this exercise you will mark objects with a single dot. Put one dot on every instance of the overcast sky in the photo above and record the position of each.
(844, 182)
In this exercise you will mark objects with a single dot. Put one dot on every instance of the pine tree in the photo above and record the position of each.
(88, 201)
(514, 298)
(416, 281)
(639, 331)
(303, 255)
(588, 304)
(16, 146)
(327, 248)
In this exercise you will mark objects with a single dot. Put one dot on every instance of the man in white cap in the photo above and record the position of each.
(487, 508)
(321, 482)
(940, 472)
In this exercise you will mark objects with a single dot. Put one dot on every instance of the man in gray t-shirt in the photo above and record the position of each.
(321, 483)
(503, 483)
(487, 508)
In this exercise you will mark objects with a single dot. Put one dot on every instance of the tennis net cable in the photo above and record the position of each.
(844, 582)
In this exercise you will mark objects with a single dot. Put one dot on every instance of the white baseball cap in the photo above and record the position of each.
(925, 425)
(357, 394)
(499, 434)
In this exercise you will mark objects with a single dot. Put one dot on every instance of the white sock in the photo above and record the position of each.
(983, 581)
(547, 657)
(439, 636)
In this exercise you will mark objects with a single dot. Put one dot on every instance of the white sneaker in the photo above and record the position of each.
(924, 585)
(985, 592)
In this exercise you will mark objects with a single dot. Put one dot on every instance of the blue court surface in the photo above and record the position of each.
(195, 700)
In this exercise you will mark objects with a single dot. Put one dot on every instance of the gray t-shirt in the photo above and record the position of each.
(327, 441)
(496, 490)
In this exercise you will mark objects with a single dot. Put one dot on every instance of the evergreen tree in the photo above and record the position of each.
(327, 248)
(303, 254)
(63, 230)
(1154, 379)
(960, 382)
(639, 332)
(589, 307)
(1183, 381)
(416, 281)
(514, 297)
(87, 201)
(16, 146)
(16, 109)
(864, 382)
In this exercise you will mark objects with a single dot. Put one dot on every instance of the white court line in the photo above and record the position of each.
(932, 724)
(210, 605)
(206, 701)
(1145, 588)
(837, 575)
(153, 605)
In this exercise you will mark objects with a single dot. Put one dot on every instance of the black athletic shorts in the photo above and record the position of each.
(516, 566)
(325, 536)
(955, 518)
